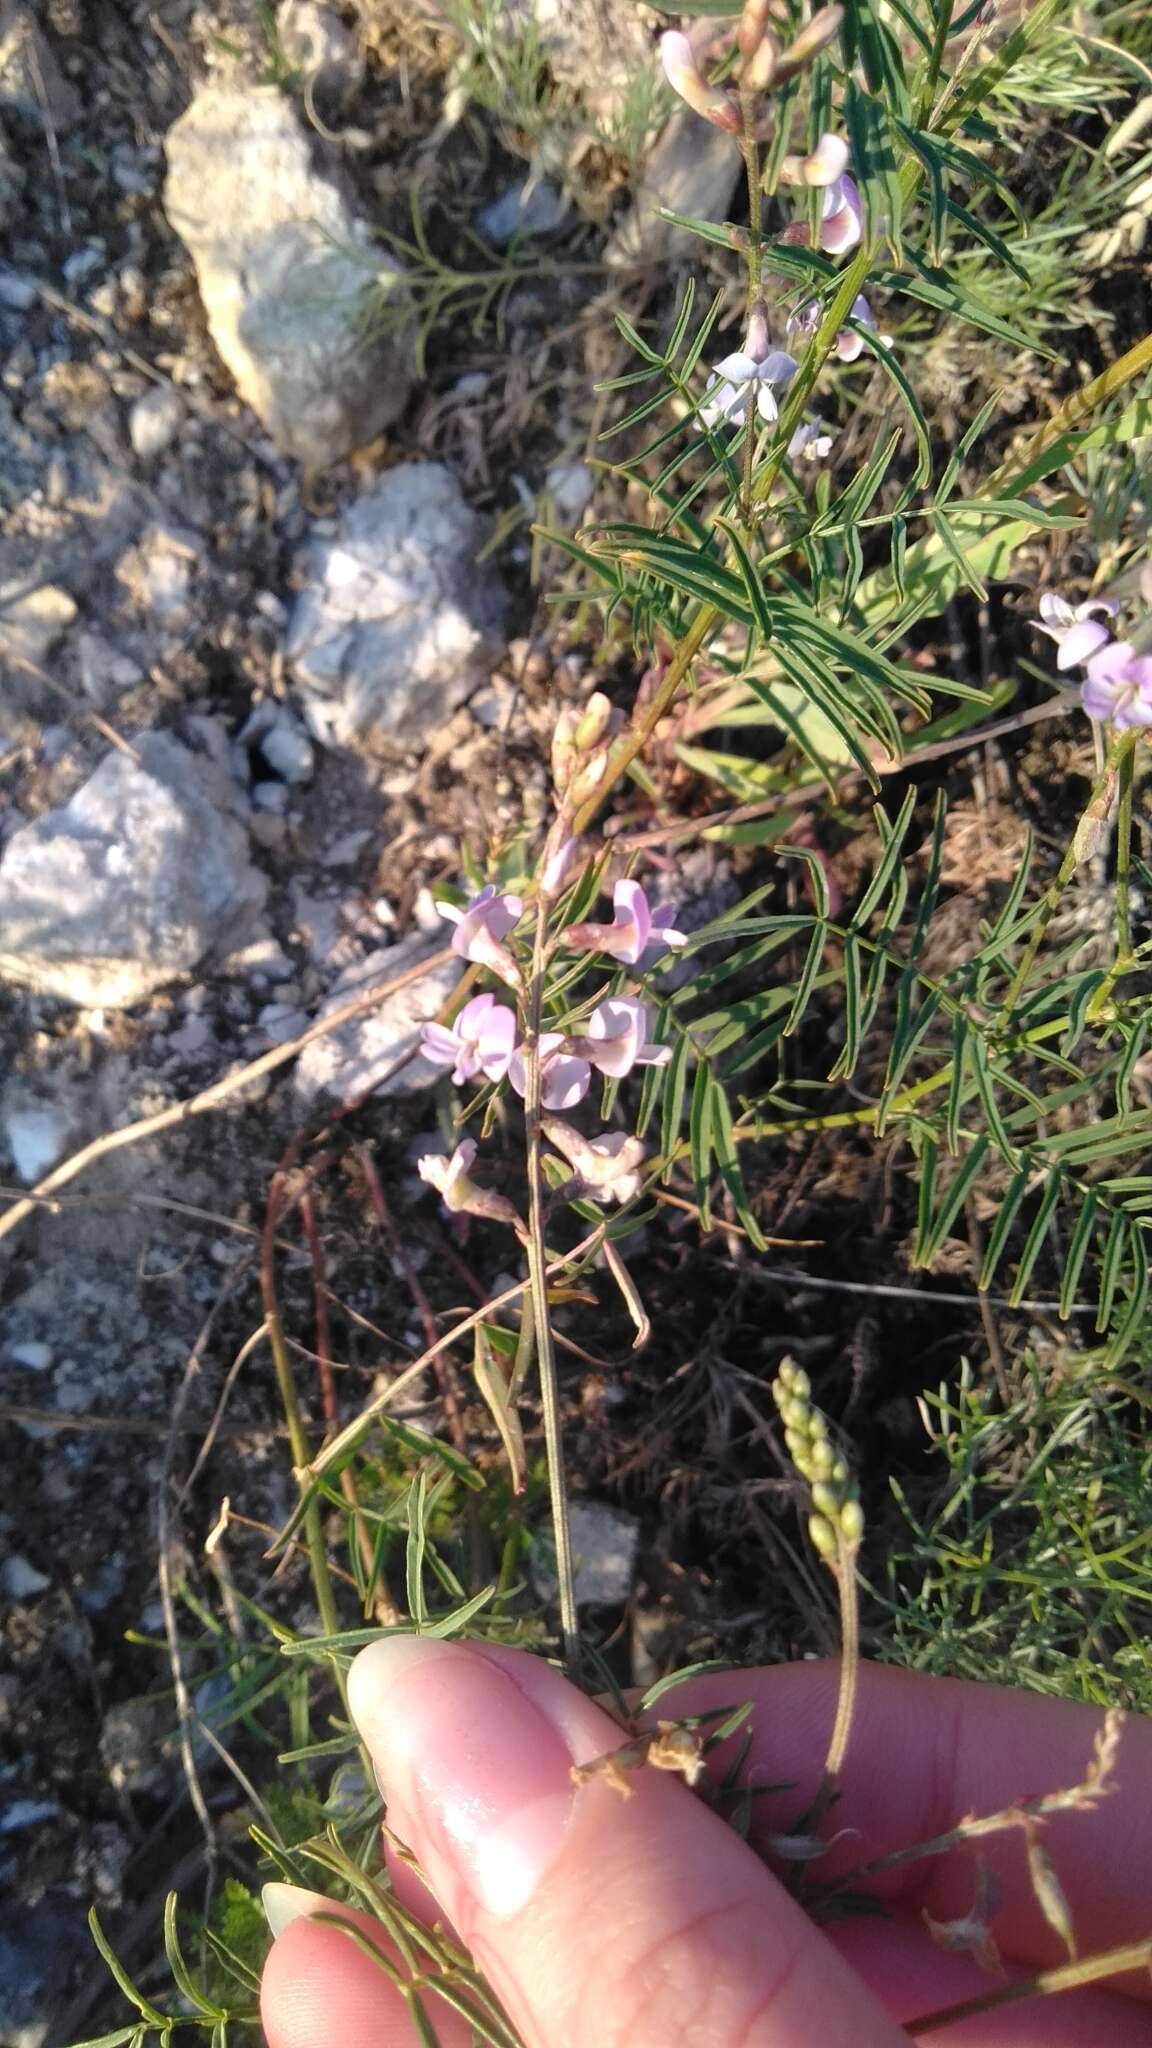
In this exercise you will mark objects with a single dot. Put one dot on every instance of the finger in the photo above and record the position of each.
(923, 1753)
(913, 1977)
(597, 1919)
(320, 1990)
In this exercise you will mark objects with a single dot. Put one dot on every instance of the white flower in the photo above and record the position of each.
(810, 443)
(609, 1165)
(744, 374)
(449, 1177)
(1076, 629)
(617, 1038)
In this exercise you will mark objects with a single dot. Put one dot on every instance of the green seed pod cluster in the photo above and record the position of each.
(837, 1520)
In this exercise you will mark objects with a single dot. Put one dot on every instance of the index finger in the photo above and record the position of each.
(925, 1752)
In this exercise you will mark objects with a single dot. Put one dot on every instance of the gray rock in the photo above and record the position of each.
(143, 876)
(18, 293)
(32, 618)
(281, 740)
(38, 1952)
(132, 1743)
(605, 1541)
(315, 42)
(592, 47)
(104, 671)
(398, 622)
(35, 1133)
(31, 1355)
(533, 207)
(20, 1580)
(692, 169)
(286, 272)
(155, 421)
(11, 184)
(352, 1058)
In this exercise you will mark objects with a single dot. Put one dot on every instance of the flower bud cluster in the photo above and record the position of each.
(837, 1520)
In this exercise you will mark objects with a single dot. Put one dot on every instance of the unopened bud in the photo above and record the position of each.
(684, 76)
(756, 341)
(852, 1521)
(593, 722)
(824, 1539)
(823, 29)
(753, 23)
(763, 66)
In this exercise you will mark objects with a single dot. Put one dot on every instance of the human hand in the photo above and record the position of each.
(649, 1923)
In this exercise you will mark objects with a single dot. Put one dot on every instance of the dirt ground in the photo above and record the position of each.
(125, 1304)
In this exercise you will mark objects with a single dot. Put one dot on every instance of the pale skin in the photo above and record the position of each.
(605, 1922)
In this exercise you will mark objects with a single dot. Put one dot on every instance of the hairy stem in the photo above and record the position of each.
(1114, 1962)
(846, 1587)
(538, 1285)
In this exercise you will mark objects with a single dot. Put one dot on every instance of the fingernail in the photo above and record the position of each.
(284, 1903)
(475, 1772)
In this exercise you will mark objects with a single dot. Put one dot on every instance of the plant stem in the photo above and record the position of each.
(750, 150)
(297, 1436)
(1080, 848)
(935, 61)
(846, 1586)
(1067, 1977)
(1125, 767)
(538, 1281)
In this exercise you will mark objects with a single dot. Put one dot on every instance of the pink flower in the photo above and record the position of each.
(632, 931)
(565, 1078)
(449, 1177)
(810, 443)
(849, 344)
(684, 76)
(842, 216)
(480, 1041)
(617, 1038)
(1118, 688)
(826, 165)
(1076, 630)
(481, 928)
(608, 1165)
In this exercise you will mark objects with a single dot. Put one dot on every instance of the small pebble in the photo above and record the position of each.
(20, 1580)
(155, 422)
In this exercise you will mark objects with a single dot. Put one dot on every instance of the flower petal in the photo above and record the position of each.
(1078, 643)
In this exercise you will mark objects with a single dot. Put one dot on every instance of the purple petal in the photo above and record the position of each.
(1080, 642)
(564, 1081)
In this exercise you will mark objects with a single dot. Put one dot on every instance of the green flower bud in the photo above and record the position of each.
(824, 1538)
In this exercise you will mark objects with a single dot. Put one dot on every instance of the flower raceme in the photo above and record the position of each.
(635, 928)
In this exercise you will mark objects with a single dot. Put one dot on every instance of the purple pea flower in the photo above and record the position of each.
(633, 929)
(617, 1038)
(479, 1042)
(1077, 631)
(565, 1077)
(842, 216)
(1118, 686)
(481, 929)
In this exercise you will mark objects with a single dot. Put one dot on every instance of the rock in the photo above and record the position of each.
(18, 292)
(533, 207)
(155, 421)
(104, 672)
(143, 876)
(591, 47)
(36, 1134)
(604, 1542)
(285, 272)
(315, 42)
(351, 1059)
(38, 1952)
(32, 618)
(281, 741)
(130, 1743)
(31, 1355)
(20, 1580)
(158, 574)
(398, 622)
(692, 169)
(32, 85)
(570, 486)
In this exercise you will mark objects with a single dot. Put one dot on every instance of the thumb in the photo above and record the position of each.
(596, 1919)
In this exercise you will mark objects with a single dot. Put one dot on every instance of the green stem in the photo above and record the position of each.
(1125, 768)
(1067, 1977)
(538, 1282)
(1081, 846)
(935, 62)
(750, 150)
